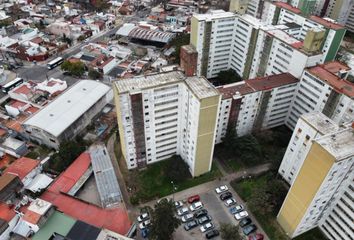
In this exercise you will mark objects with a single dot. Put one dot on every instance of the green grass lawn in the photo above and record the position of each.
(268, 222)
(153, 183)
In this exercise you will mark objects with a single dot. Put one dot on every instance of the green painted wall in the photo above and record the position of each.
(333, 49)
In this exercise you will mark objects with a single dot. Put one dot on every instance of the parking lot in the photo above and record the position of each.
(215, 207)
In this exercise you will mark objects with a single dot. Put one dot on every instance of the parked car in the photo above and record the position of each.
(143, 217)
(145, 232)
(225, 196)
(178, 204)
(193, 199)
(201, 213)
(196, 206)
(182, 211)
(206, 227)
(144, 224)
(236, 209)
(221, 189)
(212, 234)
(229, 202)
(258, 236)
(249, 229)
(241, 215)
(244, 222)
(188, 217)
(204, 219)
(192, 224)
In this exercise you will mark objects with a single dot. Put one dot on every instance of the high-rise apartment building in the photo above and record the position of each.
(322, 192)
(309, 126)
(255, 104)
(211, 36)
(323, 88)
(164, 114)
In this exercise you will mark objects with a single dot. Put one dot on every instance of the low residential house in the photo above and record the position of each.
(104, 64)
(13, 147)
(28, 34)
(8, 220)
(10, 186)
(30, 51)
(25, 168)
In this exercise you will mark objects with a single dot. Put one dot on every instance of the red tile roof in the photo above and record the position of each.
(338, 84)
(17, 104)
(72, 174)
(22, 166)
(7, 213)
(31, 217)
(326, 23)
(116, 219)
(228, 91)
(288, 7)
(23, 89)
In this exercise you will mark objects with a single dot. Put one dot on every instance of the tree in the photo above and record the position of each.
(81, 38)
(229, 232)
(249, 150)
(93, 74)
(228, 76)
(163, 220)
(177, 169)
(177, 43)
(68, 152)
(268, 199)
(74, 68)
(229, 139)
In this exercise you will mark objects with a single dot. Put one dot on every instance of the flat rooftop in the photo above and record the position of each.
(283, 36)
(340, 85)
(340, 144)
(336, 67)
(327, 23)
(256, 84)
(201, 87)
(58, 115)
(287, 7)
(320, 122)
(216, 14)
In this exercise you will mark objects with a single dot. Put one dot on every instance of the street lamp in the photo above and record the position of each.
(174, 188)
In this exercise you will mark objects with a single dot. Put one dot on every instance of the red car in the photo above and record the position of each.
(193, 199)
(258, 236)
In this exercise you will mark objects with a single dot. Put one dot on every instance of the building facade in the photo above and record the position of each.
(255, 104)
(322, 191)
(165, 114)
(323, 88)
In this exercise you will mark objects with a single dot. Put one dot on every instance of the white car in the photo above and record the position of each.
(187, 217)
(144, 224)
(221, 189)
(143, 217)
(178, 204)
(206, 227)
(182, 211)
(196, 206)
(229, 202)
(241, 215)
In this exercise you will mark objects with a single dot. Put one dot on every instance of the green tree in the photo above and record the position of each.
(81, 38)
(229, 232)
(249, 150)
(163, 220)
(177, 169)
(75, 68)
(68, 152)
(229, 140)
(177, 43)
(93, 74)
(228, 76)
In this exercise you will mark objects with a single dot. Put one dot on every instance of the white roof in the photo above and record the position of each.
(39, 206)
(215, 14)
(41, 181)
(68, 107)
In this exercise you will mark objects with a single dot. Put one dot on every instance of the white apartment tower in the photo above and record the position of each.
(323, 88)
(164, 114)
(255, 104)
(211, 36)
(322, 191)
